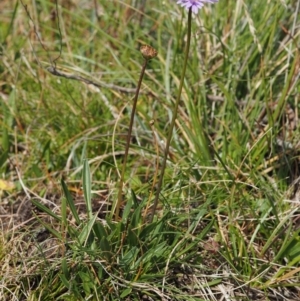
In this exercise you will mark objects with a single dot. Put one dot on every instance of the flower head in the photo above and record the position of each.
(148, 52)
(195, 5)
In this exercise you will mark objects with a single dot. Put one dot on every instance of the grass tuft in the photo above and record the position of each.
(227, 224)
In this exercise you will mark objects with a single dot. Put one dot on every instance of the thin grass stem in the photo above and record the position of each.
(119, 201)
(168, 142)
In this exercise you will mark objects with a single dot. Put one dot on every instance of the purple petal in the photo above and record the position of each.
(195, 5)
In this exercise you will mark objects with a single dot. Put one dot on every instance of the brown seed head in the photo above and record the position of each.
(148, 52)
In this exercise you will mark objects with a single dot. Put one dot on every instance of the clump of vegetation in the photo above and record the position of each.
(76, 223)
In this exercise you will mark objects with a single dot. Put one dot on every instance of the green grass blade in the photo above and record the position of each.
(70, 202)
(87, 188)
(46, 210)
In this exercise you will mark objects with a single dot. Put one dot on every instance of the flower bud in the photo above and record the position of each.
(148, 52)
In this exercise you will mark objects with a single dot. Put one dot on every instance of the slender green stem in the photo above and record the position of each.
(164, 163)
(117, 210)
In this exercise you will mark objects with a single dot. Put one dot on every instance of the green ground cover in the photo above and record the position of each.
(227, 223)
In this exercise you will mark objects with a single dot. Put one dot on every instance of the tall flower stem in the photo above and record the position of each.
(164, 163)
(117, 210)
(148, 53)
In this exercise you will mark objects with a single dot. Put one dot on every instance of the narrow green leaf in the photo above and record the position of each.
(64, 211)
(127, 209)
(65, 281)
(126, 292)
(3, 158)
(84, 235)
(50, 228)
(64, 268)
(45, 209)
(70, 202)
(105, 245)
(134, 199)
(137, 218)
(99, 230)
(87, 283)
(87, 188)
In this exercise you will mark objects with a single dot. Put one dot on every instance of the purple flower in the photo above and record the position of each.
(194, 4)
